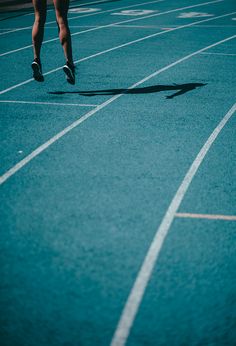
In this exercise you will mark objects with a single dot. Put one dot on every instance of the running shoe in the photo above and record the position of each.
(69, 70)
(37, 70)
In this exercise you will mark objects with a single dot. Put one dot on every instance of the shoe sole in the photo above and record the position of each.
(36, 72)
(69, 75)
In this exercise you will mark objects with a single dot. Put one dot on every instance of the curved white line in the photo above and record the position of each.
(48, 103)
(44, 146)
(206, 216)
(143, 277)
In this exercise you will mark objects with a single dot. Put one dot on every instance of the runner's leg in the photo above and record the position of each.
(61, 8)
(40, 10)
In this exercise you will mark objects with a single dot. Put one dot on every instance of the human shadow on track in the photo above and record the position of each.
(182, 89)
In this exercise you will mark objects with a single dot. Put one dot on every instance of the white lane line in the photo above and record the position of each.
(117, 23)
(49, 103)
(122, 325)
(221, 54)
(2, 29)
(74, 26)
(139, 26)
(87, 3)
(206, 216)
(215, 26)
(172, 26)
(115, 48)
(87, 15)
(143, 277)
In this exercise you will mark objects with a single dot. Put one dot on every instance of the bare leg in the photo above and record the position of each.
(61, 8)
(40, 10)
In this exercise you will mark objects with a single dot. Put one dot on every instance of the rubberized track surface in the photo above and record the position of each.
(118, 194)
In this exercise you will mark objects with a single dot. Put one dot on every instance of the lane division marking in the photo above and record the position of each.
(49, 103)
(220, 54)
(206, 216)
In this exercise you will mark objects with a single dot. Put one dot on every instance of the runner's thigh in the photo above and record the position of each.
(61, 7)
(40, 7)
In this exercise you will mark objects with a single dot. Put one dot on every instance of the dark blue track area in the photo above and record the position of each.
(118, 194)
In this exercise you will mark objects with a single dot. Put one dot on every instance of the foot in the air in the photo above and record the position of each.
(69, 70)
(37, 70)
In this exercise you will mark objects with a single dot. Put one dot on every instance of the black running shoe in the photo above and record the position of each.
(69, 70)
(37, 70)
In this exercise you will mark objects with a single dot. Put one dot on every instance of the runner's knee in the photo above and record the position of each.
(40, 20)
(62, 22)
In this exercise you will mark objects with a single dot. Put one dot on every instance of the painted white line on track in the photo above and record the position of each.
(117, 23)
(206, 216)
(87, 15)
(49, 103)
(74, 26)
(216, 26)
(171, 26)
(220, 54)
(139, 26)
(115, 48)
(144, 26)
(143, 277)
(88, 3)
(127, 318)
